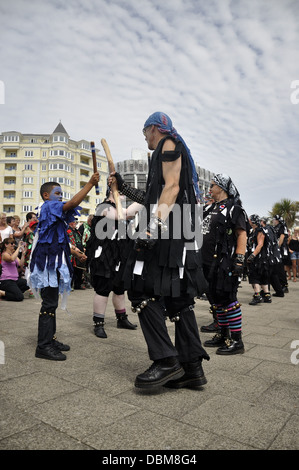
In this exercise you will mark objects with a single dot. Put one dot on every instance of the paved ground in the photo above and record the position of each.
(89, 400)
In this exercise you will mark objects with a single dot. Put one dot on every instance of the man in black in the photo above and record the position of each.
(167, 267)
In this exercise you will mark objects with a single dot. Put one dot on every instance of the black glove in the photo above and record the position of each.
(250, 258)
(149, 236)
(237, 270)
(119, 181)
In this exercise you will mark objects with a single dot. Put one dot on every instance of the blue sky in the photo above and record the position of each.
(222, 70)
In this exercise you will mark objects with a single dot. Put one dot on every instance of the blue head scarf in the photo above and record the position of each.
(164, 125)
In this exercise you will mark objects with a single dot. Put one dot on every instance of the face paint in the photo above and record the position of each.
(56, 194)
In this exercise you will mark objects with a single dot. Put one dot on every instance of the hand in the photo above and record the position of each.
(95, 178)
(116, 177)
(145, 240)
(237, 270)
(250, 258)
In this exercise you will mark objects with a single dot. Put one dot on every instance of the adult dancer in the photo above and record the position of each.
(163, 264)
(225, 230)
(105, 251)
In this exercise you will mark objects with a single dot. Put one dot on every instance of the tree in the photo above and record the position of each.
(286, 209)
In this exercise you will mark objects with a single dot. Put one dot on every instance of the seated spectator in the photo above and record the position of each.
(12, 286)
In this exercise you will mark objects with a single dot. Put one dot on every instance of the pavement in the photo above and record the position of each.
(89, 402)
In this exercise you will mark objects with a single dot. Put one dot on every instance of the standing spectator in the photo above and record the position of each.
(76, 242)
(5, 230)
(12, 286)
(282, 236)
(294, 252)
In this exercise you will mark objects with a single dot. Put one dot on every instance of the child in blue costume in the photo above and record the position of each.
(50, 266)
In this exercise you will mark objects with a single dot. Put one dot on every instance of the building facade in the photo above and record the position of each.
(29, 160)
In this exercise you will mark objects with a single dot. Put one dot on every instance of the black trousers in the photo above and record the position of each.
(47, 316)
(14, 289)
(187, 346)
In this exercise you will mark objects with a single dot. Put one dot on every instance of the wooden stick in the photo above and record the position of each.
(114, 187)
(94, 160)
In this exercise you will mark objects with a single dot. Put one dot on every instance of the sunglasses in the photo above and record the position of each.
(211, 185)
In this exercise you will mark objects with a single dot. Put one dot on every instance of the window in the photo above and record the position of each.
(28, 180)
(27, 194)
(28, 153)
(44, 167)
(27, 208)
(11, 138)
(28, 166)
(44, 153)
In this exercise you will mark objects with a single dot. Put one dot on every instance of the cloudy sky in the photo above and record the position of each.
(222, 70)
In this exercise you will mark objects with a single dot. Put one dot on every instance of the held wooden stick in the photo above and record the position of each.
(94, 160)
(114, 187)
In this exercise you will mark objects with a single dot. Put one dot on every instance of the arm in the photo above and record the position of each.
(20, 233)
(10, 258)
(280, 240)
(75, 201)
(260, 243)
(171, 174)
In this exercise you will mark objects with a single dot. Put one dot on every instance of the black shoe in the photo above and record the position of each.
(60, 346)
(123, 322)
(99, 329)
(217, 341)
(267, 298)
(256, 299)
(160, 372)
(212, 328)
(278, 294)
(285, 290)
(194, 376)
(51, 353)
(231, 347)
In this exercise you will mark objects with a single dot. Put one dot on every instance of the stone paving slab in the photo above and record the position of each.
(89, 401)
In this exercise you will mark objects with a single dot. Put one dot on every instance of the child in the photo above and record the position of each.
(50, 269)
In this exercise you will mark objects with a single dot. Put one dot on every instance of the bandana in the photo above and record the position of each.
(255, 219)
(164, 125)
(224, 182)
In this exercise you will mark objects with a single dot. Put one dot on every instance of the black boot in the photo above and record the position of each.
(99, 328)
(46, 329)
(160, 372)
(194, 376)
(212, 327)
(123, 322)
(233, 345)
(219, 339)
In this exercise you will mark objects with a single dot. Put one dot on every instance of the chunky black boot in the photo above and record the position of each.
(194, 376)
(123, 322)
(99, 328)
(160, 372)
(219, 339)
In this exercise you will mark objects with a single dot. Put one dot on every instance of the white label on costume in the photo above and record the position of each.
(98, 252)
(114, 235)
(138, 267)
(117, 267)
(183, 261)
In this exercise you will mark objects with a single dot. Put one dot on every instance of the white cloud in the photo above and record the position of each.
(222, 70)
